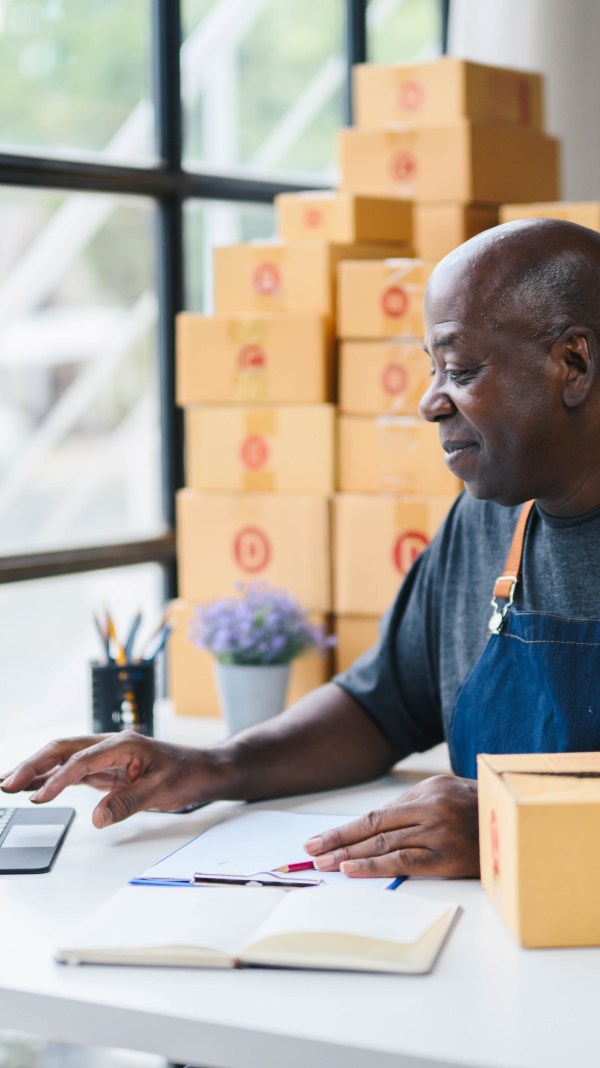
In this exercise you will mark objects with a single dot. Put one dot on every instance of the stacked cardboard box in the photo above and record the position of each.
(583, 212)
(256, 381)
(458, 138)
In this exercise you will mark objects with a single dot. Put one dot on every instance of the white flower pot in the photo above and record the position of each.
(251, 693)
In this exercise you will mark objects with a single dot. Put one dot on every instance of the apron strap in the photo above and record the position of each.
(506, 583)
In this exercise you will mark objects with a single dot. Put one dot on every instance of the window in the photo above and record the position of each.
(133, 138)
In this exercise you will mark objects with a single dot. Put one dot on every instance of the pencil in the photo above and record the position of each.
(304, 865)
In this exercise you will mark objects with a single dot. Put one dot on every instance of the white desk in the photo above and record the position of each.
(487, 1004)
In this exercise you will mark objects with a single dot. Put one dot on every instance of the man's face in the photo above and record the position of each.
(493, 394)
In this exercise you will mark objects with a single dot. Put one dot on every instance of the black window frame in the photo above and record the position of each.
(170, 186)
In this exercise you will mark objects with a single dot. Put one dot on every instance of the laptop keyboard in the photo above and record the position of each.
(6, 816)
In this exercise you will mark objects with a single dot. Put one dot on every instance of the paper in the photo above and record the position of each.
(251, 843)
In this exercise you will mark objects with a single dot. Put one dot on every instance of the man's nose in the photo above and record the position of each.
(435, 404)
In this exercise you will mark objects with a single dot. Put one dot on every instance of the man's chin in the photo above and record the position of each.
(508, 497)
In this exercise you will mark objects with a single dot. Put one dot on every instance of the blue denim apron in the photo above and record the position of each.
(534, 689)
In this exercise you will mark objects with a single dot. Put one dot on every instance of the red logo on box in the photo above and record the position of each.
(402, 166)
(267, 279)
(251, 549)
(313, 218)
(254, 452)
(411, 96)
(495, 838)
(395, 301)
(406, 549)
(251, 357)
(394, 378)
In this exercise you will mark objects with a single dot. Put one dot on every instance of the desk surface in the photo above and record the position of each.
(488, 1003)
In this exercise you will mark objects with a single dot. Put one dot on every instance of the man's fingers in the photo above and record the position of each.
(364, 828)
(378, 846)
(103, 757)
(43, 762)
(414, 861)
(120, 804)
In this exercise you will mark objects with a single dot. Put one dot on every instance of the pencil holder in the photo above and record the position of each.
(123, 697)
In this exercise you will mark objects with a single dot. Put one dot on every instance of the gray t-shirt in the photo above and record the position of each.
(436, 629)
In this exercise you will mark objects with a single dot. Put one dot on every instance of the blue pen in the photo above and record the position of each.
(135, 624)
(163, 637)
(397, 882)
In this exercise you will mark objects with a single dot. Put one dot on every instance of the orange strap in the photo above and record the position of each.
(505, 584)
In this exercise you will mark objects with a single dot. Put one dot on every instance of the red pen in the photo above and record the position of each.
(304, 865)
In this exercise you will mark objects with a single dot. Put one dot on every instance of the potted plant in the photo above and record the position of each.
(254, 637)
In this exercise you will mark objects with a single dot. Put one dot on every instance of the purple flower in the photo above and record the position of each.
(260, 626)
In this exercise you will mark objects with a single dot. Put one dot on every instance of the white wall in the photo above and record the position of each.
(560, 38)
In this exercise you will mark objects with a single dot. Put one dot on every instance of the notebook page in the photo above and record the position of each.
(398, 918)
(219, 918)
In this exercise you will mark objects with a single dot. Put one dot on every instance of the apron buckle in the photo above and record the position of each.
(496, 621)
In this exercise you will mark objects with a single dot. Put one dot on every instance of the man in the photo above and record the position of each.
(512, 328)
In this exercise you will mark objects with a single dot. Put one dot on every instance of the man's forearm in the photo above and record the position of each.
(324, 741)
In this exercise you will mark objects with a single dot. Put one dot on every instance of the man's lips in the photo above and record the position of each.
(457, 445)
(457, 450)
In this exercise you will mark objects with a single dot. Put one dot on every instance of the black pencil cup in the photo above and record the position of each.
(123, 697)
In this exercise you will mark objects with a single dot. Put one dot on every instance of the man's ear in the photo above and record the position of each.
(576, 352)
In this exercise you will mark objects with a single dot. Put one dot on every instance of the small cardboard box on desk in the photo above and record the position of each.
(539, 830)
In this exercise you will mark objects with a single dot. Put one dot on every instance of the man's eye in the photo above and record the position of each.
(460, 376)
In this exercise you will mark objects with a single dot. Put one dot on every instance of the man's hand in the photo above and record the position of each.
(432, 829)
(139, 773)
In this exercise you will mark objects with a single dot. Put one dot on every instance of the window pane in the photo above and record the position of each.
(75, 78)
(263, 82)
(46, 650)
(79, 418)
(208, 224)
(399, 30)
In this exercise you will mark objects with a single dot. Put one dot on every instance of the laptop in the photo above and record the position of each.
(31, 838)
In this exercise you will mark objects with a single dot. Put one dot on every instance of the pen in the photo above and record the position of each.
(135, 624)
(157, 649)
(304, 865)
(258, 879)
(103, 637)
(112, 634)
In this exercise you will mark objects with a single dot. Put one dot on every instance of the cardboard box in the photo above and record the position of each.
(283, 539)
(297, 276)
(344, 217)
(439, 228)
(446, 89)
(584, 212)
(382, 299)
(273, 359)
(354, 634)
(459, 162)
(378, 377)
(392, 454)
(191, 675)
(376, 541)
(261, 450)
(539, 828)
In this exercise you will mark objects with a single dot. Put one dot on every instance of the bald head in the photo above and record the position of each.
(541, 275)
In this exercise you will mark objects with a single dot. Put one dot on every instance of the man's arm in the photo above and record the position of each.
(325, 741)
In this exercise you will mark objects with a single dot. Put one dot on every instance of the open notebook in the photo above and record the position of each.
(319, 927)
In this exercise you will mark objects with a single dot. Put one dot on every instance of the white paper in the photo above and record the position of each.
(254, 842)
